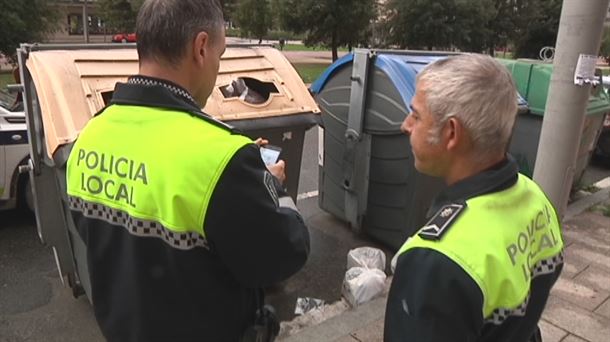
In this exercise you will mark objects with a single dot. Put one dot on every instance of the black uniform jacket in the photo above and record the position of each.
(145, 290)
(443, 303)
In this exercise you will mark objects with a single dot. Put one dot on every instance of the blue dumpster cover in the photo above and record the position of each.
(400, 68)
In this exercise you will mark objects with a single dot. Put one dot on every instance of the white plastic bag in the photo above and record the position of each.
(362, 284)
(393, 263)
(367, 257)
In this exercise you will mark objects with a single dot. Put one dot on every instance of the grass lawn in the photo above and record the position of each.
(603, 209)
(502, 54)
(310, 72)
(6, 78)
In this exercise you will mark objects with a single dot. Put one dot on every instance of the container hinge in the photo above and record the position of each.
(355, 159)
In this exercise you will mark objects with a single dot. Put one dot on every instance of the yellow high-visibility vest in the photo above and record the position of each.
(144, 167)
(501, 240)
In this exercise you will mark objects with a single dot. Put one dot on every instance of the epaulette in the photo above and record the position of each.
(440, 223)
(215, 122)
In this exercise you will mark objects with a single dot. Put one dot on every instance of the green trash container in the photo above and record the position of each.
(532, 79)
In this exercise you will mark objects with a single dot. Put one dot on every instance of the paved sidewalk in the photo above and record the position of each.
(578, 309)
(311, 57)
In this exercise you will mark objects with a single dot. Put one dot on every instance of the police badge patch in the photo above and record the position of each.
(270, 185)
(441, 221)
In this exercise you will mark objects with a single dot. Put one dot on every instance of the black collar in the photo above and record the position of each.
(497, 178)
(154, 92)
(175, 89)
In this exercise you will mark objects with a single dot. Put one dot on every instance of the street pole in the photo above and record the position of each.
(580, 31)
(85, 22)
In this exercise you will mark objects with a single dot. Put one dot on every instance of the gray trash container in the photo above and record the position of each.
(367, 174)
(287, 133)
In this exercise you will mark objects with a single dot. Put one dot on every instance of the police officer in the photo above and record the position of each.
(182, 220)
(482, 267)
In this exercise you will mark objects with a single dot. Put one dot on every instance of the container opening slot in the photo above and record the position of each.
(107, 96)
(249, 90)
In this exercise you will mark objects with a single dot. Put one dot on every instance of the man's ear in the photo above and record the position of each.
(200, 47)
(454, 134)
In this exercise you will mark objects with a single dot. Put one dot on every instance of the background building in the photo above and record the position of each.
(70, 28)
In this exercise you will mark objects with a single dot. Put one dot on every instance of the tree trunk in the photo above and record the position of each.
(333, 45)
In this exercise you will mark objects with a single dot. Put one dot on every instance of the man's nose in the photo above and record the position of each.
(406, 125)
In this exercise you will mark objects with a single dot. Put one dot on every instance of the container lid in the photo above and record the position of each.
(402, 69)
(74, 84)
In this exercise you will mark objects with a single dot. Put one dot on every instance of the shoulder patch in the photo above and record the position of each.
(270, 185)
(441, 222)
(213, 121)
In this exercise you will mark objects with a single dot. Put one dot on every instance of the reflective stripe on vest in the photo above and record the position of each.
(150, 170)
(502, 240)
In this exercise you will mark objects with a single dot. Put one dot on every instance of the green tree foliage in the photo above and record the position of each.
(254, 18)
(474, 25)
(441, 24)
(24, 21)
(473, 30)
(136, 4)
(501, 24)
(537, 26)
(229, 9)
(330, 23)
(275, 8)
(119, 15)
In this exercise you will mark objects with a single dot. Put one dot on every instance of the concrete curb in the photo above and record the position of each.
(342, 324)
(589, 201)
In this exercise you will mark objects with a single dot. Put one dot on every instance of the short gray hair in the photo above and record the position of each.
(479, 92)
(165, 28)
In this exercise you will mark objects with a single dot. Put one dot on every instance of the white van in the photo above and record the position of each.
(15, 188)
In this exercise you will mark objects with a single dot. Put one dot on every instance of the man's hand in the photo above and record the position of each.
(277, 170)
(261, 142)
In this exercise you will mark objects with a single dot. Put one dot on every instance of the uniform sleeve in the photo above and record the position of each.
(432, 299)
(253, 225)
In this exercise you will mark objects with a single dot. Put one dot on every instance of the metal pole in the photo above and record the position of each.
(85, 22)
(580, 31)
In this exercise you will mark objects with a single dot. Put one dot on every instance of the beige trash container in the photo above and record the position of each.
(257, 91)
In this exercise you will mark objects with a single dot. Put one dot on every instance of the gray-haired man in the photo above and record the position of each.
(481, 269)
